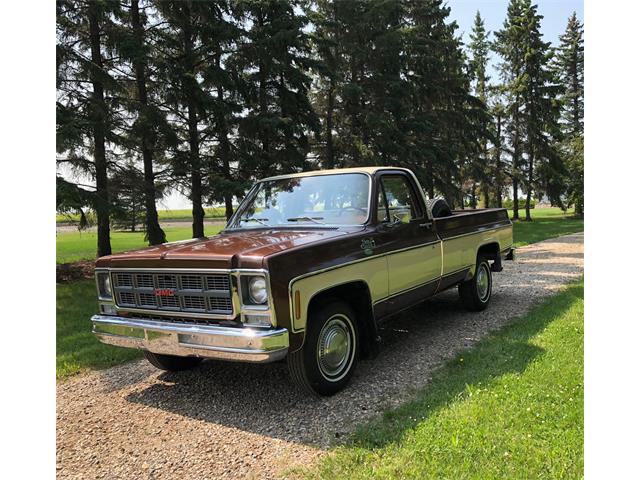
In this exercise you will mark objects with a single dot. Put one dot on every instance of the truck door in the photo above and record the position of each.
(414, 250)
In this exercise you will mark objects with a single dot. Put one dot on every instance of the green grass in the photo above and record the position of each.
(510, 407)
(77, 349)
(163, 215)
(76, 246)
(547, 223)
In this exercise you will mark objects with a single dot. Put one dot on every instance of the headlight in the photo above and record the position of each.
(104, 286)
(258, 290)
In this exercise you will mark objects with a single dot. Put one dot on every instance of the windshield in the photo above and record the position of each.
(340, 199)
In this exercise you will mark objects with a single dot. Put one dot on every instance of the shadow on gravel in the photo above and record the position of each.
(260, 398)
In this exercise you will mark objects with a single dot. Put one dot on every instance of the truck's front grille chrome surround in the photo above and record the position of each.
(196, 293)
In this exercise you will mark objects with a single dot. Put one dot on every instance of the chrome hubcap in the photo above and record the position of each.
(335, 345)
(482, 283)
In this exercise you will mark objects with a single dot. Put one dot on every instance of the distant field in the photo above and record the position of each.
(76, 246)
(163, 215)
(547, 223)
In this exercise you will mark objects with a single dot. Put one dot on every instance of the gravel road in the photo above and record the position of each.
(248, 421)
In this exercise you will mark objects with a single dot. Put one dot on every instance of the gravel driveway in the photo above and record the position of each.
(248, 421)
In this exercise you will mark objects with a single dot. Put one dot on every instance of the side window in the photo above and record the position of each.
(400, 201)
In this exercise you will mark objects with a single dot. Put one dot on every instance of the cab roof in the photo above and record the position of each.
(335, 171)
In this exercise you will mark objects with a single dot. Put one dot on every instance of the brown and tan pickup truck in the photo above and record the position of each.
(306, 269)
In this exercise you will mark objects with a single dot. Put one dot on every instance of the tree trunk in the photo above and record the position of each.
(516, 162)
(330, 161)
(98, 114)
(225, 150)
(498, 166)
(155, 234)
(527, 205)
(485, 194)
(197, 211)
(473, 196)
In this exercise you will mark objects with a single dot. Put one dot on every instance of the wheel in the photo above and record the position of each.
(476, 293)
(325, 363)
(171, 363)
(438, 207)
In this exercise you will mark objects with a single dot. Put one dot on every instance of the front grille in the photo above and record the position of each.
(174, 292)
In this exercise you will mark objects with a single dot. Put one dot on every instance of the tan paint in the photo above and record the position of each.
(414, 267)
(391, 273)
(461, 252)
(371, 271)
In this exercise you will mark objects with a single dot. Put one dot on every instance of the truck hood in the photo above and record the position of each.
(238, 249)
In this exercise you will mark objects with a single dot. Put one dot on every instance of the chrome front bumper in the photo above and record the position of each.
(186, 340)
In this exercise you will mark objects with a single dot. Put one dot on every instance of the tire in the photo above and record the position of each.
(314, 367)
(476, 293)
(171, 363)
(438, 207)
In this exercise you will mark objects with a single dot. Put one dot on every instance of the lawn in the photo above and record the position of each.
(510, 407)
(547, 223)
(75, 246)
(163, 215)
(76, 347)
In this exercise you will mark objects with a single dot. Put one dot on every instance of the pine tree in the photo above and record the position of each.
(569, 67)
(510, 45)
(181, 65)
(87, 104)
(479, 47)
(222, 36)
(135, 48)
(541, 112)
(276, 63)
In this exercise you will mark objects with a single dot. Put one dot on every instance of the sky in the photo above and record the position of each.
(493, 12)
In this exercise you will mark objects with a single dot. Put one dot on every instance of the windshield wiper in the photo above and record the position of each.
(259, 220)
(306, 219)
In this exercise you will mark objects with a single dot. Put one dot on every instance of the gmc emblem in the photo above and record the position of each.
(164, 292)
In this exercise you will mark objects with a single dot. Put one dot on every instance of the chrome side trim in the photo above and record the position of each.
(225, 343)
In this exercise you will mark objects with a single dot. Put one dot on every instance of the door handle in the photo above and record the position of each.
(425, 225)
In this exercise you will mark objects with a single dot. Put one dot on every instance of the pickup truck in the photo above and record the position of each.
(306, 270)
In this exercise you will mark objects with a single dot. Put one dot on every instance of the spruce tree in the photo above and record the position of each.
(541, 113)
(88, 98)
(479, 47)
(276, 63)
(181, 65)
(510, 44)
(569, 68)
(135, 47)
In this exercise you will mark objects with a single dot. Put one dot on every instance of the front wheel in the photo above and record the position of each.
(476, 293)
(171, 363)
(327, 360)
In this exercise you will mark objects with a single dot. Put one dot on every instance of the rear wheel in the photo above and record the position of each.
(327, 360)
(476, 293)
(171, 363)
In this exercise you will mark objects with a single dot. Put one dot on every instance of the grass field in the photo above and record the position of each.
(76, 347)
(163, 215)
(76, 246)
(547, 223)
(511, 407)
